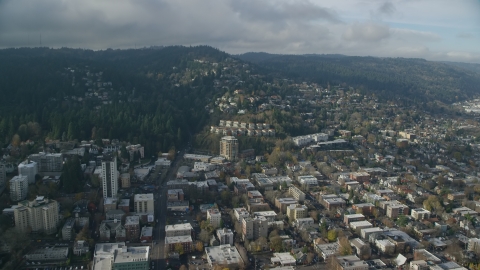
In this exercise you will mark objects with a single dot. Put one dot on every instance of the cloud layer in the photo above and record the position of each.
(427, 29)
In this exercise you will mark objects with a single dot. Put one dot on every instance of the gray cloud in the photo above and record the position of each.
(236, 26)
(387, 8)
(366, 32)
(464, 35)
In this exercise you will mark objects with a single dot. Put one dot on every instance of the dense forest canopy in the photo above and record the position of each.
(416, 80)
(159, 97)
(144, 104)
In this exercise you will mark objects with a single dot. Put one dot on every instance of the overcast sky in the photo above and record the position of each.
(431, 29)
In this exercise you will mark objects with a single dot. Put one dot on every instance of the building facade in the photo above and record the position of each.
(48, 162)
(144, 203)
(295, 211)
(214, 217)
(109, 177)
(18, 188)
(30, 169)
(229, 148)
(39, 215)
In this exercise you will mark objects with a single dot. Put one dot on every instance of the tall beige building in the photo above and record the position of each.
(144, 203)
(125, 179)
(253, 228)
(39, 215)
(296, 211)
(229, 148)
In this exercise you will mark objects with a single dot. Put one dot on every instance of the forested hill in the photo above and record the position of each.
(415, 80)
(155, 97)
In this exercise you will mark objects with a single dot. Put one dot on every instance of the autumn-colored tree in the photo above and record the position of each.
(332, 235)
(345, 247)
(179, 248)
(199, 246)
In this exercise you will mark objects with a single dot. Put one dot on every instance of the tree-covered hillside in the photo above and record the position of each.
(415, 80)
(155, 97)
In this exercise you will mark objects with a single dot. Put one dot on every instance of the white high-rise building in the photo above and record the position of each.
(30, 169)
(18, 188)
(39, 215)
(48, 162)
(229, 148)
(109, 177)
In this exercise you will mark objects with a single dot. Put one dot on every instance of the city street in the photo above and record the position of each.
(158, 255)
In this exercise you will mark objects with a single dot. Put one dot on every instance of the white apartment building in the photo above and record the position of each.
(18, 188)
(178, 230)
(48, 162)
(214, 217)
(253, 228)
(307, 181)
(30, 169)
(241, 213)
(296, 193)
(39, 215)
(310, 138)
(67, 230)
(203, 166)
(225, 236)
(420, 214)
(119, 256)
(144, 203)
(109, 177)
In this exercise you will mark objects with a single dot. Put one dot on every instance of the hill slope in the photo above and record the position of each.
(414, 79)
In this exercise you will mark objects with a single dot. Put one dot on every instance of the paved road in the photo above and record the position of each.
(159, 255)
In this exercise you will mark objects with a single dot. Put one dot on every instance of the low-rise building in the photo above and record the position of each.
(174, 195)
(358, 225)
(283, 203)
(385, 246)
(132, 228)
(296, 193)
(80, 247)
(304, 223)
(225, 236)
(420, 214)
(349, 262)
(307, 181)
(67, 230)
(295, 211)
(178, 229)
(352, 218)
(395, 210)
(241, 213)
(119, 256)
(223, 255)
(365, 233)
(146, 235)
(327, 250)
(172, 242)
(214, 217)
(269, 215)
(283, 259)
(48, 254)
